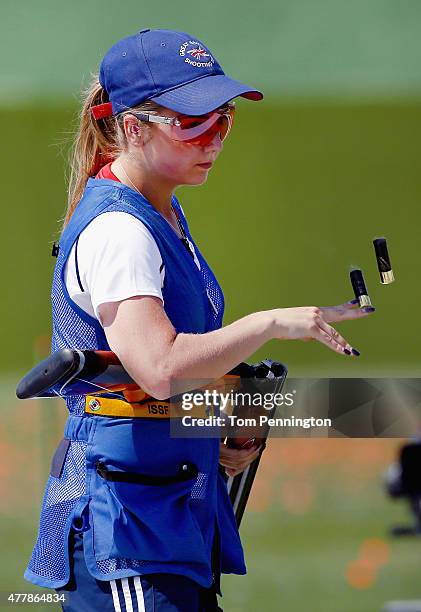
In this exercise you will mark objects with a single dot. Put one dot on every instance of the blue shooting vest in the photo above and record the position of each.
(134, 528)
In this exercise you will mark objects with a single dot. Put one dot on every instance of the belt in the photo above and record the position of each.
(186, 471)
(147, 409)
(138, 404)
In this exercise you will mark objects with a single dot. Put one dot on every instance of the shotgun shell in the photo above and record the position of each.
(360, 289)
(383, 261)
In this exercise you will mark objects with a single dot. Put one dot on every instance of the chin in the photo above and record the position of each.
(201, 177)
(199, 180)
(193, 177)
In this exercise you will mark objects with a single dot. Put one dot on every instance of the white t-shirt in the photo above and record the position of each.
(117, 258)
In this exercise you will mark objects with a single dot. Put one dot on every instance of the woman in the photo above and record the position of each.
(134, 519)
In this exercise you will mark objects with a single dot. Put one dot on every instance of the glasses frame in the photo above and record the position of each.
(227, 109)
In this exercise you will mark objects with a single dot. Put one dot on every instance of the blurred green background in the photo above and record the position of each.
(328, 161)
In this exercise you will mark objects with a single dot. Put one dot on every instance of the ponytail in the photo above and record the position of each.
(92, 147)
(97, 142)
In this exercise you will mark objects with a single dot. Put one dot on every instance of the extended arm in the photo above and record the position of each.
(140, 333)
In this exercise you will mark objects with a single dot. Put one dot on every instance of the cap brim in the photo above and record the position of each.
(205, 95)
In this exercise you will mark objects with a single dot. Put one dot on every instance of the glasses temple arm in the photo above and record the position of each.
(156, 118)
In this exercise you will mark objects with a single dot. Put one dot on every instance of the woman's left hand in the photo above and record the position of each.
(344, 312)
(236, 460)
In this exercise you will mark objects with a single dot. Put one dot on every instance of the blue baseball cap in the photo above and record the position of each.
(171, 68)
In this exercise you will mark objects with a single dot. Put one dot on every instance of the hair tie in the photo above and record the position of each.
(102, 110)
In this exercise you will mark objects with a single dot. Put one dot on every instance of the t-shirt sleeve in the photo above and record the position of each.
(118, 258)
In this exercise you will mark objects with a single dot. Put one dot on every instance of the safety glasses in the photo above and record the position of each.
(196, 130)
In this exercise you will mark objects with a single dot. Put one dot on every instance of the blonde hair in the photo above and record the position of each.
(96, 142)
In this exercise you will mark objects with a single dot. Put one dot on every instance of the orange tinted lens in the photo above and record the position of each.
(218, 124)
(224, 126)
(187, 123)
(207, 137)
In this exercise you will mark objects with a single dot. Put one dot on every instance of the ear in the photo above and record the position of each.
(132, 130)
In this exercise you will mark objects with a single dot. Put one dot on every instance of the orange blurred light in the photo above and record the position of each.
(376, 552)
(296, 496)
(360, 574)
(261, 495)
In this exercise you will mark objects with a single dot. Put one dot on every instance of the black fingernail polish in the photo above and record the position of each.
(369, 309)
(355, 301)
(355, 352)
(346, 351)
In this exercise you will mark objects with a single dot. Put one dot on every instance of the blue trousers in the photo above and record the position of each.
(149, 593)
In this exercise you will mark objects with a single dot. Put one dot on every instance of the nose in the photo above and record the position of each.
(215, 145)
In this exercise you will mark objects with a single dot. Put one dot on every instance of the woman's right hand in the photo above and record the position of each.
(308, 323)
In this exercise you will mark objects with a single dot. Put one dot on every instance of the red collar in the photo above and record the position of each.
(107, 173)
